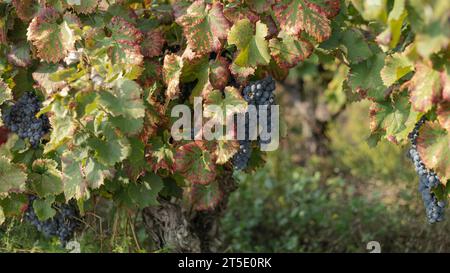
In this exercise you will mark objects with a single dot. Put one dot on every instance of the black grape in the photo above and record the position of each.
(21, 119)
(260, 94)
(62, 225)
(428, 180)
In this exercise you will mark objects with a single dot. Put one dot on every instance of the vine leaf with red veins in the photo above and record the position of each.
(433, 145)
(204, 25)
(307, 16)
(424, 87)
(52, 37)
(195, 164)
(153, 43)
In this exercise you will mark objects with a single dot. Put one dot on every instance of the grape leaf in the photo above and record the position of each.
(195, 164)
(63, 126)
(288, 51)
(12, 178)
(173, 65)
(232, 98)
(124, 100)
(365, 79)
(26, 9)
(46, 178)
(2, 216)
(111, 150)
(5, 92)
(445, 82)
(443, 115)
(433, 145)
(391, 36)
(20, 55)
(14, 204)
(153, 43)
(424, 87)
(96, 173)
(300, 15)
(395, 116)
(219, 73)
(396, 66)
(204, 25)
(354, 46)
(225, 149)
(53, 39)
(43, 208)
(74, 184)
(205, 197)
(160, 155)
(42, 77)
(251, 43)
(145, 194)
(84, 6)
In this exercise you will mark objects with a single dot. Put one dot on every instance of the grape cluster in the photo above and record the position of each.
(62, 225)
(428, 180)
(21, 119)
(260, 94)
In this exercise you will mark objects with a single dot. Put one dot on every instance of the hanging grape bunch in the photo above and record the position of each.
(21, 119)
(260, 94)
(428, 180)
(62, 225)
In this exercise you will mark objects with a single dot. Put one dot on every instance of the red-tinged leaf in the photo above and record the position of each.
(172, 68)
(180, 8)
(204, 25)
(237, 13)
(424, 87)
(443, 115)
(219, 73)
(53, 38)
(301, 15)
(153, 43)
(279, 73)
(433, 145)
(160, 155)
(205, 197)
(241, 73)
(26, 9)
(260, 6)
(195, 164)
(329, 8)
(288, 51)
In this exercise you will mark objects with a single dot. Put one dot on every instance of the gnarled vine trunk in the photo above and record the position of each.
(173, 226)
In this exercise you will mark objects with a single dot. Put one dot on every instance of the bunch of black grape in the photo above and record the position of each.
(260, 94)
(21, 119)
(62, 225)
(428, 180)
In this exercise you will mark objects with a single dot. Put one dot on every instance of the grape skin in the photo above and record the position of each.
(62, 225)
(21, 119)
(428, 180)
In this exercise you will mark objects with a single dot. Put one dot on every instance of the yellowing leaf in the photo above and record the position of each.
(424, 87)
(288, 51)
(173, 65)
(12, 178)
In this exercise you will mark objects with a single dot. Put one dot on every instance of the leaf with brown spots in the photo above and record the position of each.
(288, 51)
(153, 43)
(424, 87)
(172, 68)
(195, 164)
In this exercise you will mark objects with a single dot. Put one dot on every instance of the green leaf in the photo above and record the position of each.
(74, 185)
(288, 50)
(204, 25)
(43, 208)
(63, 126)
(145, 194)
(53, 39)
(12, 178)
(96, 173)
(124, 100)
(396, 117)
(355, 46)
(42, 77)
(233, 100)
(396, 66)
(424, 87)
(433, 145)
(251, 43)
(20, 55)
(391, 35)
(46, 178)
(14, 204)
(365, 79)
